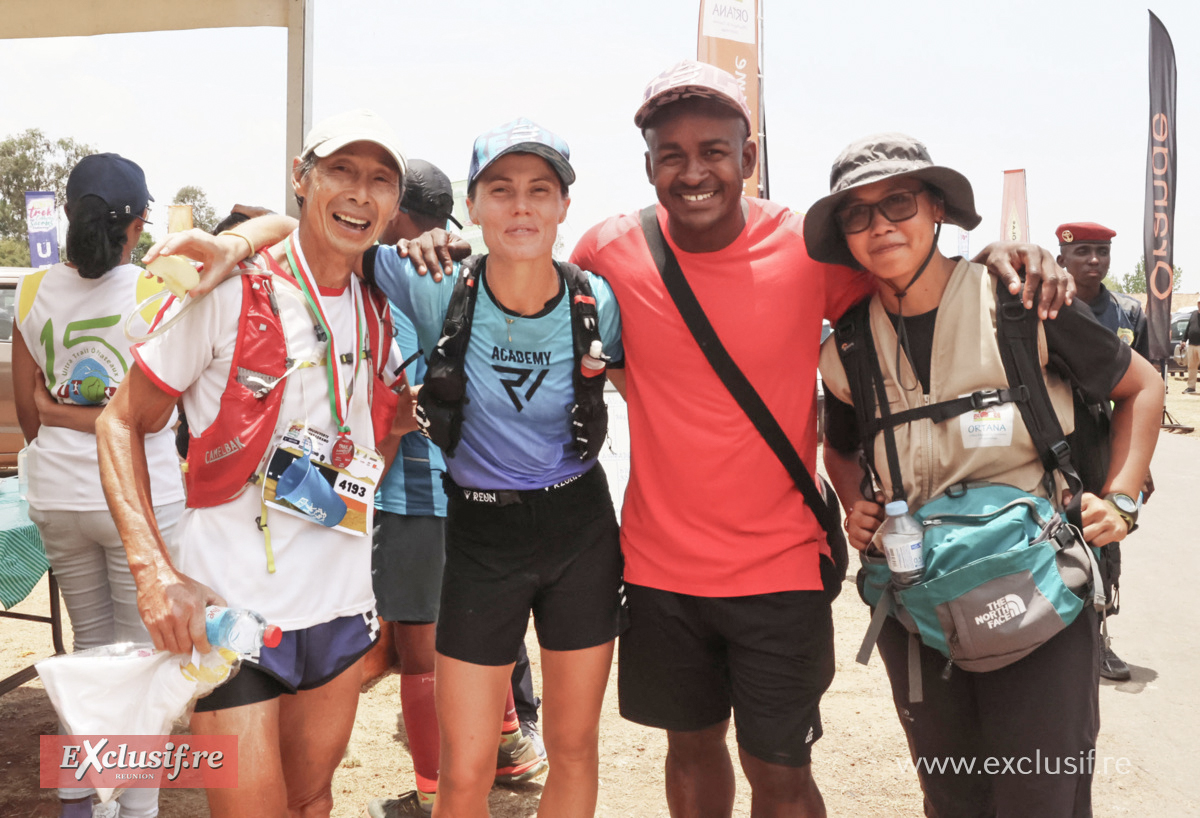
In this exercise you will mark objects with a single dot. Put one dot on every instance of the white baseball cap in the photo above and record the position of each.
(336, 132)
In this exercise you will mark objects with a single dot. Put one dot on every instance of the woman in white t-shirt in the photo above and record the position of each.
(74, 355)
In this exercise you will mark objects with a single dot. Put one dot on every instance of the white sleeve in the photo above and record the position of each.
(176, 358)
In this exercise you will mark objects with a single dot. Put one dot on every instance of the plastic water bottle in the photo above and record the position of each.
(593, 362)
(902, 538)
(239, 630)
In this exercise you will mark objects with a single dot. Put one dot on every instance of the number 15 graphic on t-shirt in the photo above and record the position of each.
(518, 379)
(47, 339)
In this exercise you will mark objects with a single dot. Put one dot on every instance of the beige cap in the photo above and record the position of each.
(336, 132)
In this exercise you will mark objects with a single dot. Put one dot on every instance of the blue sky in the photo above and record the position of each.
(1055, 87)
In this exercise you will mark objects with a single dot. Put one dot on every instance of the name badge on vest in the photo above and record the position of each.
(989, 426)
(305, 480)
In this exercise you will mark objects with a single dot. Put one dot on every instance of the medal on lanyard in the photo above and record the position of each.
(342, 452)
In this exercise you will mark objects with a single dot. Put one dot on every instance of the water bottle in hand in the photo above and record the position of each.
(239, 630)
(902, 539)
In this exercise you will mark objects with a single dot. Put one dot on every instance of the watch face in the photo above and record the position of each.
(1125, 503)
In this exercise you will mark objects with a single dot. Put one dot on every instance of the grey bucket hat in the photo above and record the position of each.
(872, 159)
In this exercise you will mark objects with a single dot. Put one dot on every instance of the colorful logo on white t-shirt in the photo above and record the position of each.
(86, 368)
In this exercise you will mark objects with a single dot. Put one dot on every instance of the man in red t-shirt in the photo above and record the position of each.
(722, 556)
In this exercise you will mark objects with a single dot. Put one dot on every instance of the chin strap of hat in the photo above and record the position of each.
(901, 333)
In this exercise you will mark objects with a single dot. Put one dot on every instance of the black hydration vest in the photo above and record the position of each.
(440, 401)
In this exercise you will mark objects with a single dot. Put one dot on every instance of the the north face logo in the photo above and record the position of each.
(999, 611)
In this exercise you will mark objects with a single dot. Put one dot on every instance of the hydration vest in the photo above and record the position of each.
(440, 401)
(228, 456)
(1017, 337)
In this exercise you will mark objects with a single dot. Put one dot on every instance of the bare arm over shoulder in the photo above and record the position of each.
(221, 254)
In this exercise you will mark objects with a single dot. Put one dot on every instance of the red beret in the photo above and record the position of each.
(1083, 231)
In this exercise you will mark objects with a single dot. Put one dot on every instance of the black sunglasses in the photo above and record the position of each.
(898, 207)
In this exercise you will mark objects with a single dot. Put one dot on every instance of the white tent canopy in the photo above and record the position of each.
(82, 18)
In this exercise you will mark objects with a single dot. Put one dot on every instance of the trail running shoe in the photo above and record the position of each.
(408, 805)
(519, 760)
(1112, 667)
(530, 730)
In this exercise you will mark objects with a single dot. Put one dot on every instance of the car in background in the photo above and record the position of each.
(1179, 322)
(11, 439)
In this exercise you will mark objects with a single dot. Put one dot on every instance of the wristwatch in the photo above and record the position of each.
(1126, 506)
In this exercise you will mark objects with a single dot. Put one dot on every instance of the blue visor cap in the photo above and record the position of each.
(521, 136)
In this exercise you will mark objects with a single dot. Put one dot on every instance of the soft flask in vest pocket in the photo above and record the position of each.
(1004, 573)
(440, 421)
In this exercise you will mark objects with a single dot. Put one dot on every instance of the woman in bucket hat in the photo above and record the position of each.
(932, 323)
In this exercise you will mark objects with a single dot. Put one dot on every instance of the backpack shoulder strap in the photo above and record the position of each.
(856, 348)
(380, 329)
(446, 377)
(1017, 337)
(589, 415)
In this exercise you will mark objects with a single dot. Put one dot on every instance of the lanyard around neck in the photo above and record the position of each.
(339, 393)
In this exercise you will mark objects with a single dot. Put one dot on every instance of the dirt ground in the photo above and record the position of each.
(859, 764)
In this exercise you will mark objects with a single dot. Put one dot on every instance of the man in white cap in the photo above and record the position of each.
(280, 378)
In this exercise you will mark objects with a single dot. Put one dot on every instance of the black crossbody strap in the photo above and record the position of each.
(730, 374)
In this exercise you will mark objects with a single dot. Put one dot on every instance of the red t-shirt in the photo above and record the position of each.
(709, 510)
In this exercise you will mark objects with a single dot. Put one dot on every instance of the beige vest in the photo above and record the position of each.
(992, 444)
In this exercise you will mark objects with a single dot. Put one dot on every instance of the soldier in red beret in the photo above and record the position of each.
(1084, 249)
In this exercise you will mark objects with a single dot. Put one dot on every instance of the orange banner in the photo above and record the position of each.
(1014, 208)
(729, 40)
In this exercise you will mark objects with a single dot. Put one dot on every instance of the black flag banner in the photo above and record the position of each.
(1159, 237)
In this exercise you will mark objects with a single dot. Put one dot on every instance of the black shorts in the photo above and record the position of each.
(686, 660)
(556, 552)
(303, 660)
(407, 557)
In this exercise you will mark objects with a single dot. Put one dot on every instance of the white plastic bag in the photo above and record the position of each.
(130, 689)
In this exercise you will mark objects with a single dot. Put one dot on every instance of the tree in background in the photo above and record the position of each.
(32, 161)
(1135, 282)
(14, 253)
(145, 242)
(203, 215)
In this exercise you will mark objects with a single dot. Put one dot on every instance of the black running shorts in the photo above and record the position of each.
(556, 552)
(686, 660)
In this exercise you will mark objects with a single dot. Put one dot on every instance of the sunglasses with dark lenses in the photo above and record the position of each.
(895, 208)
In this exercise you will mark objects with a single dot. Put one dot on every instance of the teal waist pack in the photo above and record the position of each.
(1004, 572)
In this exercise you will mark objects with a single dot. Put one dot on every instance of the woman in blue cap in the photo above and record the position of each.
(530, 522)
(933, 325)
(70, 354)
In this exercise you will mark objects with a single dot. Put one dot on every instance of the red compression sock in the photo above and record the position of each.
(420, 721)
(511, 722)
